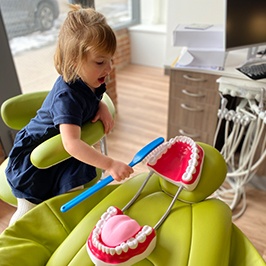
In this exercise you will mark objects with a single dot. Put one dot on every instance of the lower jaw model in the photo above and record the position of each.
(125, 243)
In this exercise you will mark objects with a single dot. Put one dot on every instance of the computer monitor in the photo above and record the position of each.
(245, 25)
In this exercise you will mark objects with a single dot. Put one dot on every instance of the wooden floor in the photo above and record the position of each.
(142, 117)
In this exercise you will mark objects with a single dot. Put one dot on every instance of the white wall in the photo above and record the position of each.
(151, 42)
(153, 11)
(187, 12)
(148, 40)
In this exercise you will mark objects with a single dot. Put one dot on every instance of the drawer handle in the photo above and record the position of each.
(192, 94)
(184, 106)
(183, 132)
(193, 79)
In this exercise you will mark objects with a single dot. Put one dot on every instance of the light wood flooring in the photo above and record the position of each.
(142, 116)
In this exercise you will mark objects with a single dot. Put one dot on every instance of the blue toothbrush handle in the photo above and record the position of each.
(139, 156)
(87, 193)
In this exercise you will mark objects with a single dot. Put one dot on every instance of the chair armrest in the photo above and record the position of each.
(52, 150)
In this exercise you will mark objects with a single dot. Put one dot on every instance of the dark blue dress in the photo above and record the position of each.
(73, 103)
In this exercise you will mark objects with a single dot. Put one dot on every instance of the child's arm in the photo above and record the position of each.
(104, 115)
(82, 151)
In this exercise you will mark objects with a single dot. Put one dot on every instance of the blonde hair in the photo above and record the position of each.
(83, 31)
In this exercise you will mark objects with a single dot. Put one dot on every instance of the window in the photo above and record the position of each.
(32, 42)
(20, 19)
(119, 13)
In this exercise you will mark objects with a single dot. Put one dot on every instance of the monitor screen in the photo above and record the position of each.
(245, 23)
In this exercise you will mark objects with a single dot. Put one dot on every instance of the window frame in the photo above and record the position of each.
(135, 9)
(135, 12)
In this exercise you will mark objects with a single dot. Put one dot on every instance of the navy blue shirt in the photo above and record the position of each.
(73, 103)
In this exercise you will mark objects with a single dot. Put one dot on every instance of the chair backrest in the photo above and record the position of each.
(17, 111)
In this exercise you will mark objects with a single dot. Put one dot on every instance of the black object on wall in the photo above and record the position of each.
(9, 84)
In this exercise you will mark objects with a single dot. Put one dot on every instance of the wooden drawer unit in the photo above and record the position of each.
(193, 104)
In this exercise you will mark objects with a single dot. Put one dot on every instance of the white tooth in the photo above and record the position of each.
(112, 251)
(97, 231)
(103, 248)
(147, 230)
(105, 216)
(106, 250)
(186, 176)
(95, 234)
(99, 224)
(132, 243)
(99, 246)
(189, 168)
(118, 250)
(124, 246)
(112, 210)
(94, 241)
(141, 237)
(157, 153)
(171, 142)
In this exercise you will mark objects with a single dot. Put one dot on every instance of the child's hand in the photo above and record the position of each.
(119, 170)
(104, 115)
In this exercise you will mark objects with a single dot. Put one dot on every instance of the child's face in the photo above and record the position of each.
(95, 69)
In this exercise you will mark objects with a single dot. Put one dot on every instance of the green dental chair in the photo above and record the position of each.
(198, 231)
(17, 111)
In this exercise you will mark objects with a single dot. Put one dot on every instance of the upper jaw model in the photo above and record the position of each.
(119, 240)
(179, 161)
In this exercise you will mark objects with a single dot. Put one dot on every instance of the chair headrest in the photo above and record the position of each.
(17, 111)
(213, 174)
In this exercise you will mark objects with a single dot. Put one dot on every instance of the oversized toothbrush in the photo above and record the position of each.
(119, 240)
(139, 156)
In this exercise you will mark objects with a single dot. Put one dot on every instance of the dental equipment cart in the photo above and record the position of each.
(201, 103)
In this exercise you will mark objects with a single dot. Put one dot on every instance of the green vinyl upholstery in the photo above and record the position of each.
(198, 231)
(17, 111)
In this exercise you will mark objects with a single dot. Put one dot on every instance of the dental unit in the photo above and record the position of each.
(244, 140)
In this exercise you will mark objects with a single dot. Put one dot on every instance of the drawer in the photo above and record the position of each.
(197, 95)
(193, 79)
(199, 92)
(196, 135)
(193, 115)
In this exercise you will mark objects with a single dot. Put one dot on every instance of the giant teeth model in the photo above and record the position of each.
(119, 240)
